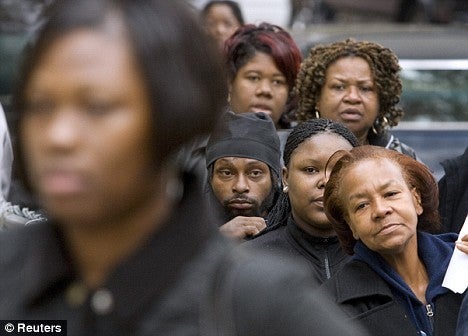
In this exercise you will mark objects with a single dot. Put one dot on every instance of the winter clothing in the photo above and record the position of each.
(389, 141)
(462, 325)
(453, 193)
(370, 291)
(323, 256)
(185, 280)
(247, 135)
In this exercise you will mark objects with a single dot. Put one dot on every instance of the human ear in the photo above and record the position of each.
(417, 201)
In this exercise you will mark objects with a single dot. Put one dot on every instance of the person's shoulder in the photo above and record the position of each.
(270, 291)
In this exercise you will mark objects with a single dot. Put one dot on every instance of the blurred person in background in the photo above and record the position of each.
(108, 93)
(298, 226)
(356, 83)
(453, 193)
(383, 206)
(221, 18)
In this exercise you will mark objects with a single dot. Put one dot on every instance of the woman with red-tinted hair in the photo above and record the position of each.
(262, 62)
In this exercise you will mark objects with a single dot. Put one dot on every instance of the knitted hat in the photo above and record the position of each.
(247, 135)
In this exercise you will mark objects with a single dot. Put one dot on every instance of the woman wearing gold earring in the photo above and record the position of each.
(357, 84)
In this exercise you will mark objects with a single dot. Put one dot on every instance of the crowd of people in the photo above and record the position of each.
(193, 175)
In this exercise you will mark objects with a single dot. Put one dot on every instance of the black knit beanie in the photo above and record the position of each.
(248, 135)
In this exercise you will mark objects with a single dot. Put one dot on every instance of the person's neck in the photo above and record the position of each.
(97, 249)
(412, 270)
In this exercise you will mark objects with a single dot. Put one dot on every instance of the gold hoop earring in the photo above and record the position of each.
(317, 114)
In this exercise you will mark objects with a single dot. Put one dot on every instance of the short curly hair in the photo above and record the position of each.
(384, 67)
(415, 173)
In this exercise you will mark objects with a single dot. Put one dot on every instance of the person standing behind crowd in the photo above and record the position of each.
(356, 83)
(262, 63)
(453, 193)
(298, 226)
(243, 162)
(221, 18)
(109, 91)
(382, 204)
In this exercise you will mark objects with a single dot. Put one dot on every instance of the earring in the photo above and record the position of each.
(285, 189)
(317, 114)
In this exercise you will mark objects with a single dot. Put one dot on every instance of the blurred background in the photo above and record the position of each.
(430, 38)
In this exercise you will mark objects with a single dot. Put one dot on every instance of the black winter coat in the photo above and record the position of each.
(365, 297)
(453, 193)
(323, 256)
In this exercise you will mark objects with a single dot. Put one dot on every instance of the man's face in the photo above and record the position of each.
(243, 186)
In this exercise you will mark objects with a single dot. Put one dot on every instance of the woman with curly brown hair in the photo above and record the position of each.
(356, 83)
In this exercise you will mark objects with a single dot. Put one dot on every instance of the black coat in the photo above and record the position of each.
(323, 256)
(185, 280)
(453, 193)
(365, 297)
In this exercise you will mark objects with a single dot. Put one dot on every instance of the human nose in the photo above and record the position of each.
(62, 129)
(352, 94)
(241, 184)
(380, 209)
(264, 87)
(322, 181)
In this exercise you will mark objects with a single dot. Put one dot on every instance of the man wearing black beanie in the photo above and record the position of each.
(243, 161)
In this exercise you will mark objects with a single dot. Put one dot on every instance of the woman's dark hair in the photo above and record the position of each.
(183, 72)
(384, 67)
(415, 173)
(282, 209)
(234, 6)
(272, 40)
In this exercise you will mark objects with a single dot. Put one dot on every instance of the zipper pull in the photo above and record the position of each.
(429, 311)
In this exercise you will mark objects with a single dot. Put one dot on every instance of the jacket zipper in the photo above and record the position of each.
(327, 266)
(430, 314)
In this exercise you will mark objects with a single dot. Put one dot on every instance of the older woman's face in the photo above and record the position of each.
(379, 207)
(86, 129)
(259, 86)
(349, 95)
(305, 177)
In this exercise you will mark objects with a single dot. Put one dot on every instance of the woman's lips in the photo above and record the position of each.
(351, 115)
(62, 183)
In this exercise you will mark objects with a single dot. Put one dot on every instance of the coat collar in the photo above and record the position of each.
(357, 280)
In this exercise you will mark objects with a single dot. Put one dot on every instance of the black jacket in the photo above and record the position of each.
(453, 193)
(185, 280)
(323, 256)
(365, 297)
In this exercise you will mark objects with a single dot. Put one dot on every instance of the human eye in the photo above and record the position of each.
(361, 206)
(39, 106)
(98, 107)
(390, 194)
(253, 77)
(338, 86)
(367, 88)
(311, 170)
(224, 173)
(256, 173)
(279, 82)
